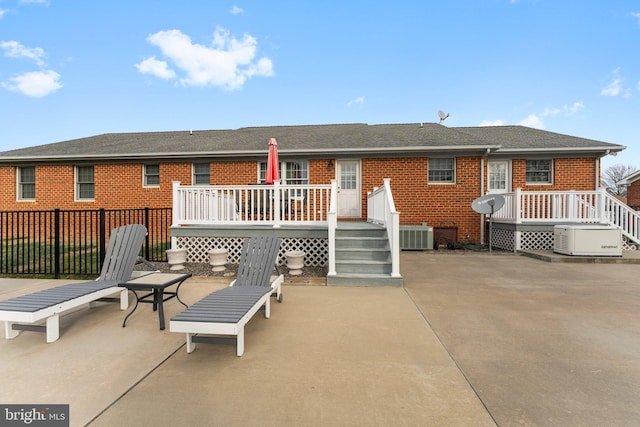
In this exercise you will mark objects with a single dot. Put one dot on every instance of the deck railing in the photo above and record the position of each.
(250, 204)
(598, 207)
(381, 210)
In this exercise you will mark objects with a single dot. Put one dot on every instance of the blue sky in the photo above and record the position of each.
(71, 69)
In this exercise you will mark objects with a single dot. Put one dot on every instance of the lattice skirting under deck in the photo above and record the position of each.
(316, 250)
(506, 239)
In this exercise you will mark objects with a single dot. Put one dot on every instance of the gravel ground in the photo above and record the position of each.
(203, 269)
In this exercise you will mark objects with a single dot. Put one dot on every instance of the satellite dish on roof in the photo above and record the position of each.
(442, 115)
(488, 205)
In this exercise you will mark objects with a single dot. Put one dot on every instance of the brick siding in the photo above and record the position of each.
(119, 185)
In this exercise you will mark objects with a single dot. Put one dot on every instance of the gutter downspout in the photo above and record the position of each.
(598, 167)
(482, 179)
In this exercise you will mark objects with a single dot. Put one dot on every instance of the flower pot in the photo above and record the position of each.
(176, 258)
(295, 262)
(218, 259)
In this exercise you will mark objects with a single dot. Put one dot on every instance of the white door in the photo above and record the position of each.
(499, 176)
(348, 178)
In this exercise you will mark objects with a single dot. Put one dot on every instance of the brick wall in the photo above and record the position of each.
(439, 205)
(633, 195)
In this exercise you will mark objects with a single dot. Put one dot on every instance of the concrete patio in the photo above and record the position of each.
(472, 339)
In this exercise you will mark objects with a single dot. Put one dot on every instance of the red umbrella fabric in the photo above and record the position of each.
(273, 173)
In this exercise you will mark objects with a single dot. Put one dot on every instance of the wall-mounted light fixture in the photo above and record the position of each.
(330, 164)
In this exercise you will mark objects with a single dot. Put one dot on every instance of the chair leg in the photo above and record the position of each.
(9, 332)
(240, 342)
(53, 328)
(190, 344)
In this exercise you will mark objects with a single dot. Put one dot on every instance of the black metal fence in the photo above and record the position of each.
(73, 242)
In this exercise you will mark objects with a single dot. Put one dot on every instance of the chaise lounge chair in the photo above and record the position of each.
(226, 311)
(121, 256)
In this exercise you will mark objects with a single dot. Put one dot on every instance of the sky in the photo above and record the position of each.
(72, 69)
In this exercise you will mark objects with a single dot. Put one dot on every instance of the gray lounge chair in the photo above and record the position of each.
(23, 312)
(226, 311)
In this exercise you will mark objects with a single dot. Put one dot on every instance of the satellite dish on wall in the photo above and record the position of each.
(488, 205)
(442, 115)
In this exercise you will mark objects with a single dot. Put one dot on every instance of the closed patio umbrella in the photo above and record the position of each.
(273, 173)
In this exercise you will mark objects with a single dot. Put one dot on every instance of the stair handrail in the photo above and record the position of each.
(381, 209)
(622, 216)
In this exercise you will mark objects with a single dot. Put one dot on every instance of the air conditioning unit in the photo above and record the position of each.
(418, 237)
(587, 239)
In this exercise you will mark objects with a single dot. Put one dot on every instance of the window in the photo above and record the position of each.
(201, 174)
(539, 171)
(151, 176)
(442, 170)
(84, 183)
(292, 173)
(27, 183)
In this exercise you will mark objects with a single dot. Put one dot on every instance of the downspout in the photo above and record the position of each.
(598, 168)
(482, 159)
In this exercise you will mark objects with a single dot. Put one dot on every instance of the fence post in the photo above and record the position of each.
(146, 239)
(103, 236)
(56, 243)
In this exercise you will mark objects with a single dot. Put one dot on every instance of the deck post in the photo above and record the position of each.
(175, 211)
(276, 203)
(518, 205)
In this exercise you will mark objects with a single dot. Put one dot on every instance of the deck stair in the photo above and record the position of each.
(363, 256)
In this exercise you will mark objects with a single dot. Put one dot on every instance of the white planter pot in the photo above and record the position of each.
(295, 262)
(218, 259)
(176, 258)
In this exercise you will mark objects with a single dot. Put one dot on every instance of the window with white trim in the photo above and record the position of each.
(151, 175)
(27, 183)
(85, 185)
(201, 174)
(291, 173)
(539, 171)
(442, 170)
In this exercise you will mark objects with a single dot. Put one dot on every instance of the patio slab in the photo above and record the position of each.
(327, 356)
(472, 339)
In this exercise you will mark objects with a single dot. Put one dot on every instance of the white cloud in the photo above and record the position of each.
(492, 123)
(227, 63)
(636, 15)
(356, 101)
(14, 49)
(615, 86)
(2, 12)
(567, 109)
(573, 108)
(532, 121)
(157, 68)
(235, 10)
(35, 84)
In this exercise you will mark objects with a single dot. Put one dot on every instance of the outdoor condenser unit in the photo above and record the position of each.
(591, 240)
(416, 237)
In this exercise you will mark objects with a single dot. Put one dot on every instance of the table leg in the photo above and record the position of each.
(159, 302)
(124, 322)
(155, 299)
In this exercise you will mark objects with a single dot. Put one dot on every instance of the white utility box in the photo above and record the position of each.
(587, 239)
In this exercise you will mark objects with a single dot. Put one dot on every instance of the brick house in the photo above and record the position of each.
(435, 172)
(633, 190)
